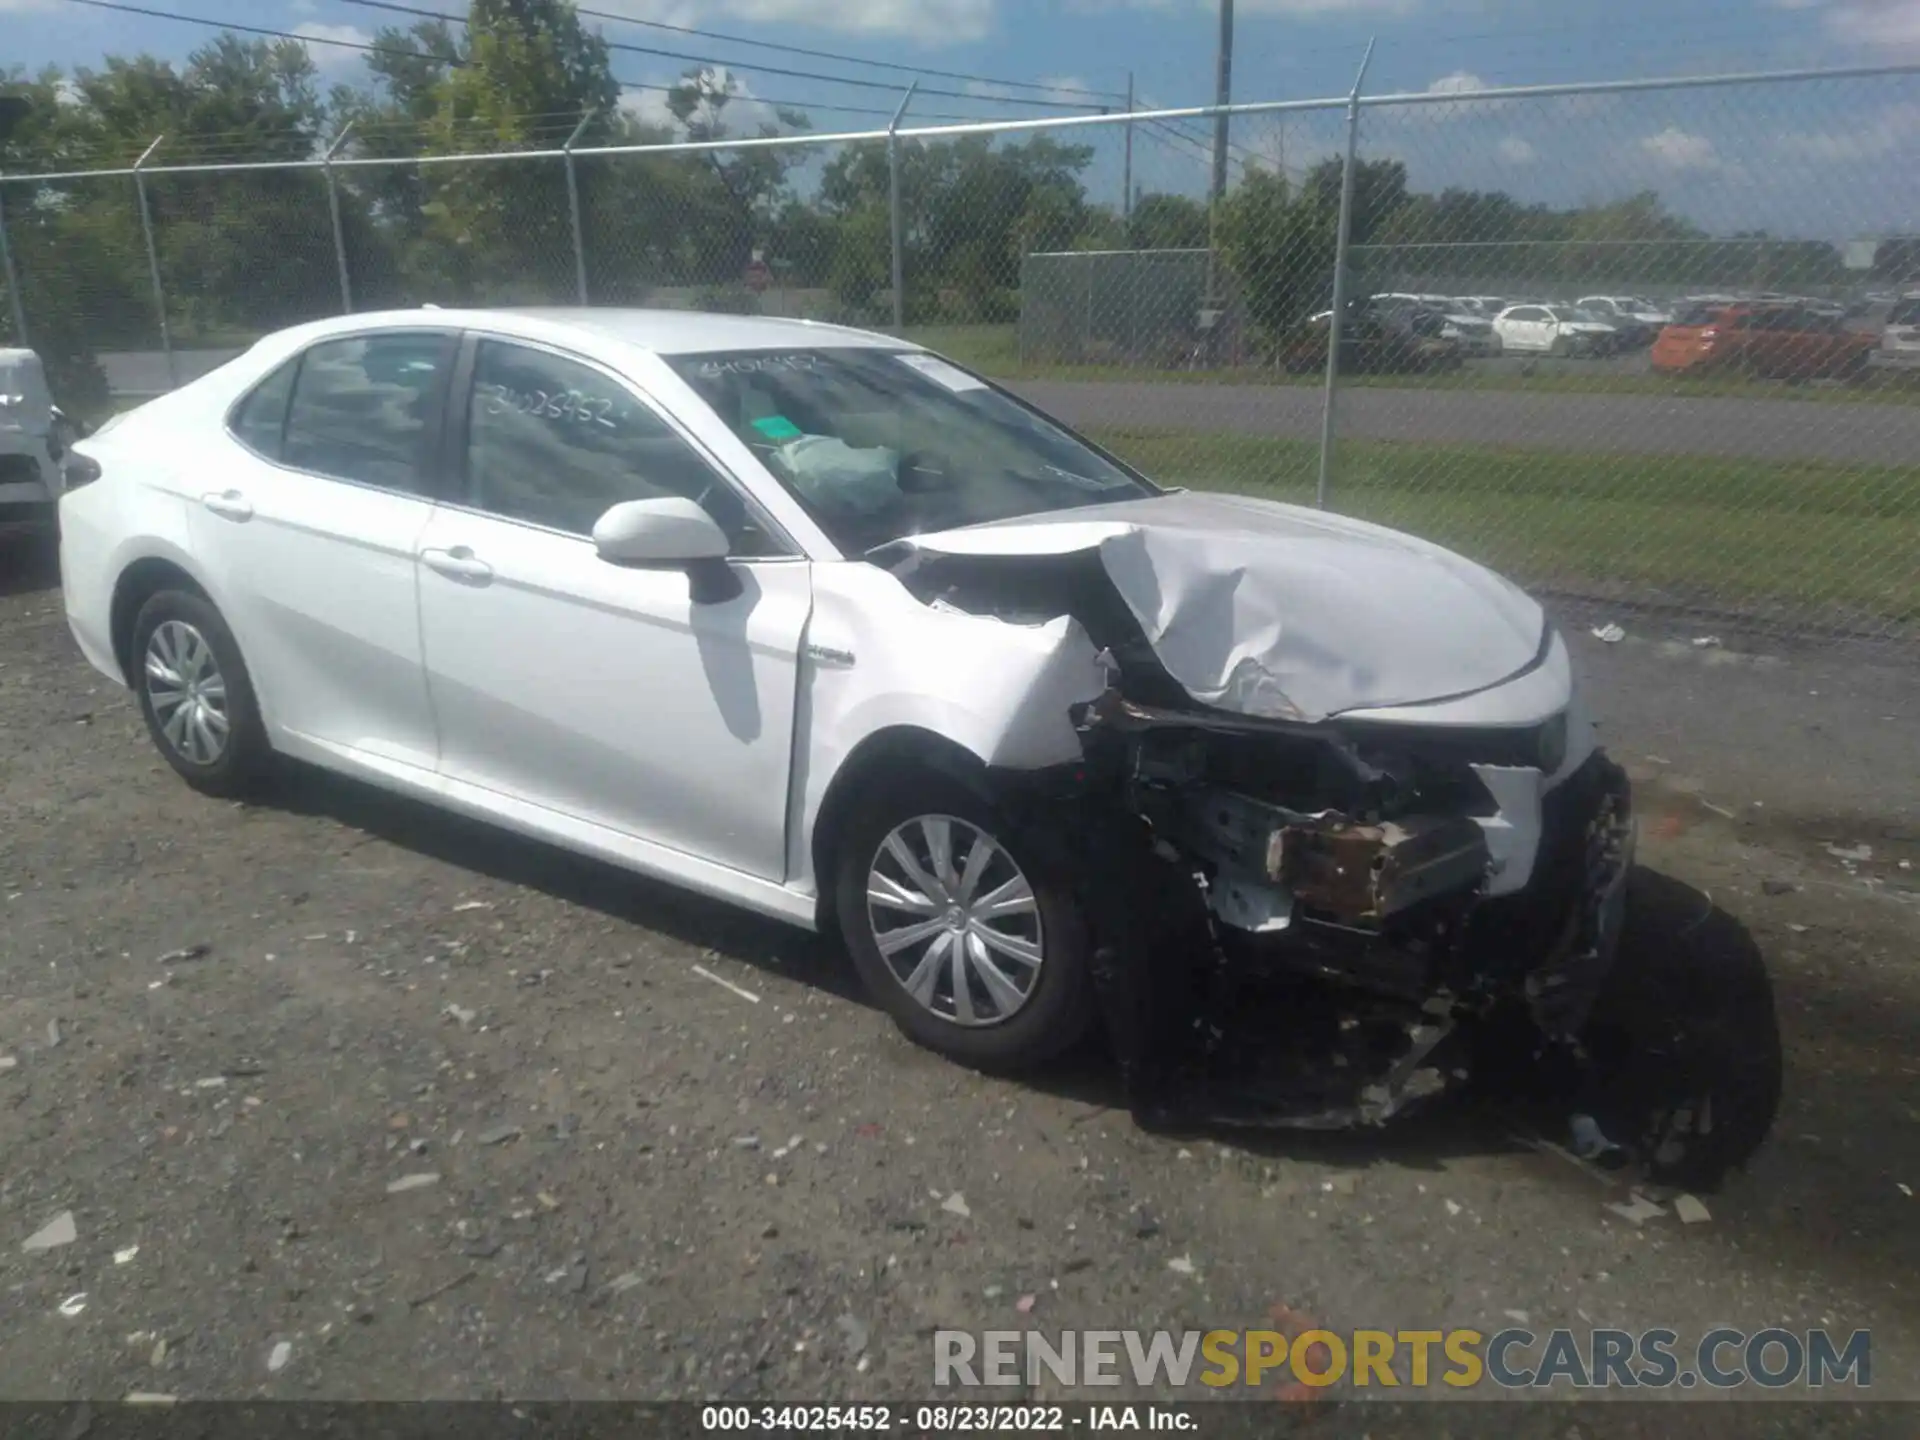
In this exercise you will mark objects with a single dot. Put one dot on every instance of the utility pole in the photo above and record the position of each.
(1126, 176)
(1223, 95)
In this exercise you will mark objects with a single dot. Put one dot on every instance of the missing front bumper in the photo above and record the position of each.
(1352, 1025)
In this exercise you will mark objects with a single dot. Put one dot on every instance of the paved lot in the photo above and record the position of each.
(1862, 434)
(646, 1185)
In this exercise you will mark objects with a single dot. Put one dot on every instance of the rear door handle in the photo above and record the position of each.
(458, 563)
(229, 505)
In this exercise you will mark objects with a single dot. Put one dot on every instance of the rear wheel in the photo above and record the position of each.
(195, 694)
(967, 933)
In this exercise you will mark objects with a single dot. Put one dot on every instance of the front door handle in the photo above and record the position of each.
(229, 505)
(458, 563)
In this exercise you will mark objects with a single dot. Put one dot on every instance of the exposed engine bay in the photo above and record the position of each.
(1308, 922)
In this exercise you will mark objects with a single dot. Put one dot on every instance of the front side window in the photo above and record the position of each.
(879, 444)
(260, 420)
(557, 443)
(361, 409)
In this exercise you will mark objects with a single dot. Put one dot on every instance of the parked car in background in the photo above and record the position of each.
(33, 439)
(1777, 341)
(1553, 330)
(1637, 320)
(1485, 306)
(1375, 339)
(1472, 333)
(1900, 340)
(1622, 334)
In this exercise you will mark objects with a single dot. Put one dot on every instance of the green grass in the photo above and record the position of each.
(995, 350)
(1828, 543)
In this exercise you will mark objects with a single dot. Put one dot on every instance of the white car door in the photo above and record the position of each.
(1517, 329)
(306, 523)
(654, 702)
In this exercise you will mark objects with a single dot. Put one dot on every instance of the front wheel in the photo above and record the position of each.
(195, 694)
(968, 934)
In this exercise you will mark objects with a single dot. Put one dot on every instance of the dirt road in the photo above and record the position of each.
(443, 1113)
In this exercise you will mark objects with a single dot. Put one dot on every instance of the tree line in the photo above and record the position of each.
(241, 253)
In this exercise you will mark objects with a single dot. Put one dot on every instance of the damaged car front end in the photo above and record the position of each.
(1338, 812)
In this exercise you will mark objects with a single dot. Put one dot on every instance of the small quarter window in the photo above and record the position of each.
(260, 421)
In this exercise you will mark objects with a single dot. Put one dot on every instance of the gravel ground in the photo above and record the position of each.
(395, 1107)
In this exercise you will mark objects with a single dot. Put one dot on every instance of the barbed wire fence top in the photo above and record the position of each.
(1635, 344)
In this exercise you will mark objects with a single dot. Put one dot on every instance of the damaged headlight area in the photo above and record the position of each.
(1303, 917)
(1304, 935)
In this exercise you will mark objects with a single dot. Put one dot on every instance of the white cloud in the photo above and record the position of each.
(333, 56)
(1458, 82)
(1894, 128)
(1262, 7)
(1881, 24)
(744, 113)
(1069, 89)
(1516, 151)
(1323, 7)
(1679, 149)
(930, 22)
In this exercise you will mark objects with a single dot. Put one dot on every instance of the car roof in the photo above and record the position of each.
(666, 332)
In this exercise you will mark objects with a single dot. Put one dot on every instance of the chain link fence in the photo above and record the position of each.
(1645, 345)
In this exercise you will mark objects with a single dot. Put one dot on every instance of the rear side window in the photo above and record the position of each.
(362, 408)
(260, 420)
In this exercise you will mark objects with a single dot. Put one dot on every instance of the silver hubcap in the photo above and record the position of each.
(187, 691)
(955, 920)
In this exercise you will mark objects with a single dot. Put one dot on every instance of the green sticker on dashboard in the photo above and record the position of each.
(778, 427)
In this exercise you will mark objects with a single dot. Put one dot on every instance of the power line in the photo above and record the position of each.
(375, 49)
(718, 63)
(361, 45)
(812, 54)
(812, 104)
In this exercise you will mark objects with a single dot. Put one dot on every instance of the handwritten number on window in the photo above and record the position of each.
(560, 405)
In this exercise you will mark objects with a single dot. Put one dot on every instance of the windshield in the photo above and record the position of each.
(1563, 312)
(879, 444)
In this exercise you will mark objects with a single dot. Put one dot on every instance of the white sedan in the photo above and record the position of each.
(819, 623)
(1552, 330)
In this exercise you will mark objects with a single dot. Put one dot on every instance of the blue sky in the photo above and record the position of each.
(1824, 160)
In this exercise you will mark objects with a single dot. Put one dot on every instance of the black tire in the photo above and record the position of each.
(243, 758)
(1059, 1008)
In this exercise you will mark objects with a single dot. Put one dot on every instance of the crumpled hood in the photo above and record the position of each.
(1281, 612)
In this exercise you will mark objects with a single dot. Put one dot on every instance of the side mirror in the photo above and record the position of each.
(668, 531)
